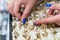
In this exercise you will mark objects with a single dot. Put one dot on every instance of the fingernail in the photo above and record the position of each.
(34, 24)
(48, 5)
(24, 20)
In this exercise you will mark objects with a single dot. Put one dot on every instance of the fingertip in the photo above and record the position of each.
(37, 22)
(34, 24)
(24, 20)
(25, 15)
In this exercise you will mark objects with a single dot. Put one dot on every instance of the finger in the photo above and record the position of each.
(16, 9)
(58, 24)
(49, 20)
(11, 11)
(53, 12)
(27, 10)
(50, 12)
(53, 8)
(10, 7)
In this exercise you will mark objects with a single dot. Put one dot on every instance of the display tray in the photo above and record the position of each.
(28, 31)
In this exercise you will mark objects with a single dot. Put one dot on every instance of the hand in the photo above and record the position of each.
(14, 5)
(51, 19)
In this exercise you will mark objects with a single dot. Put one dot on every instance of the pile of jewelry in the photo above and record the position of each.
(28, 31)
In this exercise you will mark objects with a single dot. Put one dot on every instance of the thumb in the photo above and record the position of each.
(52, 19)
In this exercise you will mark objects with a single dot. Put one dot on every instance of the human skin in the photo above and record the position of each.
(52, 18)
(13, 7)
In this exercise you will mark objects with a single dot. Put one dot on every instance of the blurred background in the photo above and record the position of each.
(4, 20)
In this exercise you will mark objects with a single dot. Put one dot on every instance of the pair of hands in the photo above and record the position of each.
(14, 5)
